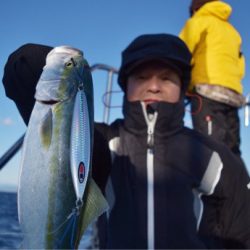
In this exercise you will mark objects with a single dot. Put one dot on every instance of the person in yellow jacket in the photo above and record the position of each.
(218, 67)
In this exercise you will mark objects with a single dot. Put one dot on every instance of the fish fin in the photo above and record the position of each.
(94, 205)
(46, 129)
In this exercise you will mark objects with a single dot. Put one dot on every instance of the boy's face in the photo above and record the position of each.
(153, 82)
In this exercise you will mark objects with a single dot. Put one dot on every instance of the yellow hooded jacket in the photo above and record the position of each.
(216, 47)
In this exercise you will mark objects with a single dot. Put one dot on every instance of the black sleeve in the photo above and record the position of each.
(227, 211)
(101, 162)
(236, 207)
(21, 74)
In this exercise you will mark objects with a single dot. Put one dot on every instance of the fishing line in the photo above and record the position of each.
(72, 217)
(81, 84)
(73, 232)
(57, 229)
(60, 226)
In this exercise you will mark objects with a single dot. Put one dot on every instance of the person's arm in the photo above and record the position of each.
(101, 161)
(226, 214)
(237, 206)
(191, 33)
(21, 74)
(241, 64)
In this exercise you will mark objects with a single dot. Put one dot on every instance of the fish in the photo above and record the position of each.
(57, 196)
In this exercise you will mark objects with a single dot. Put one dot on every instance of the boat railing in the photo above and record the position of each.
(246, 110)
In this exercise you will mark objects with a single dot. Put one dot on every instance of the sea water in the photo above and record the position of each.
(10, 233)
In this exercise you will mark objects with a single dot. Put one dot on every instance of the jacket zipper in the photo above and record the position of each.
(151, 121)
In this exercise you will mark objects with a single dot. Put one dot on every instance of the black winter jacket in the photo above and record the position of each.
(168, 186)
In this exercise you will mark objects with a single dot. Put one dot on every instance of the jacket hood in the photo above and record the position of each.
(216, 8)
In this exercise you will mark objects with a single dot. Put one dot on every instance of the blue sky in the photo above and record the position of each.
(102, 29)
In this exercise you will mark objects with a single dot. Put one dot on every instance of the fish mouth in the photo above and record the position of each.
(49, 102)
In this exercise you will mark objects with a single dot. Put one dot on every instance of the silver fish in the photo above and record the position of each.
(57, 197)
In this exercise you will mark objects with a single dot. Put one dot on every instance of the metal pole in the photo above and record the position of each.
(11, 152)
(247, 110)
(107, 101)
(103, 67)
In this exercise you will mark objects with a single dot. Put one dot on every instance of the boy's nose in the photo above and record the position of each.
(154, 85)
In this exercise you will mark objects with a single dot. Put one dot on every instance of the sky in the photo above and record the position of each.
(101, 29)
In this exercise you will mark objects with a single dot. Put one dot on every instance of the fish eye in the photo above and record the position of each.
(68, 64)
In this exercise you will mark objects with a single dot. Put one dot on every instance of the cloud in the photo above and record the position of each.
(7, 121)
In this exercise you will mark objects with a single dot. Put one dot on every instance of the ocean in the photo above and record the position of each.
(10, 233)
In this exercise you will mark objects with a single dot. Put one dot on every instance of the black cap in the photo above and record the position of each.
(21, 73)
(164, 47)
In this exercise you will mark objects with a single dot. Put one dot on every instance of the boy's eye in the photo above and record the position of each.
(140, 77)
(165, 78)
